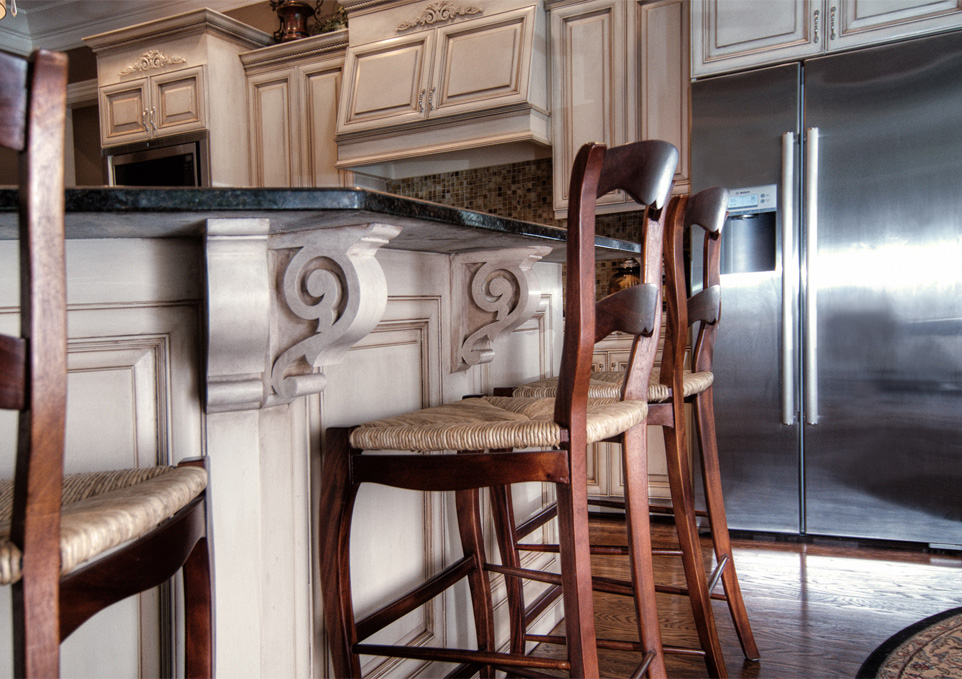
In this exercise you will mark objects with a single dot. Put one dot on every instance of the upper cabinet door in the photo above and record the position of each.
(386, 83)
(589, 96)
(177, 101)
(123, 112)
(852, 23)
(482, 63)
(734, 34)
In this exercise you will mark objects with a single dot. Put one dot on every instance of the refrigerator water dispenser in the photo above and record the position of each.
(749, 236)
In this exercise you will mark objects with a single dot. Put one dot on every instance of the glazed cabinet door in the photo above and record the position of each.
(320, 89)
(467, 76)
(852, 23)
(589, 98)
(663, 74)
(273, 128)
(386, 83)
(177, 102)
(123, 112)
(734, 34)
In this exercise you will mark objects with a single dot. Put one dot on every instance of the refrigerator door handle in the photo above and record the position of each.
(786, 201)
(810, 327)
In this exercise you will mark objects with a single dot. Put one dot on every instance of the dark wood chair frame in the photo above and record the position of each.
(644, 170)
(707, 210)
(48, 607)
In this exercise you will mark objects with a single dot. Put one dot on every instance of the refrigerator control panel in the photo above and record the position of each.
(752, 199)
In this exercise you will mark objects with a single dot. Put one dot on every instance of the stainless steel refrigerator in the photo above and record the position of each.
(838, 367)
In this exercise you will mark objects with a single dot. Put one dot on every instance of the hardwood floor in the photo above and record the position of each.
(817, 610)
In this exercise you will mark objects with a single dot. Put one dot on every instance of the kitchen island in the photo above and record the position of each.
(241, 323)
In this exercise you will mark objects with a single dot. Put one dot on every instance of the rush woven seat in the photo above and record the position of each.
(72, 546)
(493, 422)
(103, 510)
(488, 432)
(608, 384)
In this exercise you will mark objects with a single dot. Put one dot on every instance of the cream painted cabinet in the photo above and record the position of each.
(441, 72)
(729, 35)
(620, 74)
(149, 107)
(179, 75)
(292, 94)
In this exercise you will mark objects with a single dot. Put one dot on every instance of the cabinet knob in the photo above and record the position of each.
(143, 120)
(152, 124)
(831, 23)
(431, 99)
(815, 32)
(421, 101)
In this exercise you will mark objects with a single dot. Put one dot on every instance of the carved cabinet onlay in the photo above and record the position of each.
(438, 12)
(269, 343)
(493, 293)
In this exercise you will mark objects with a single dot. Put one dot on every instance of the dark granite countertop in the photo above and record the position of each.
(181, 213)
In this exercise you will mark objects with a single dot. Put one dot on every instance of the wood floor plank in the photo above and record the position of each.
(817, 610)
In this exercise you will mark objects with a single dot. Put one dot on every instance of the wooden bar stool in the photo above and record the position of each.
(488, 431)
(707, 210)
(72, 545)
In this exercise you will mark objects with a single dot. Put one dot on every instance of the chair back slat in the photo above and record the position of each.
(632, 311)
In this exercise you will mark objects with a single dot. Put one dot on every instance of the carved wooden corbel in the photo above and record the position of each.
(494, 293)
(281, 307)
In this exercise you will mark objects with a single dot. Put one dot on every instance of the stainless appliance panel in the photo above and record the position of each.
(885, 459)
(738, 123)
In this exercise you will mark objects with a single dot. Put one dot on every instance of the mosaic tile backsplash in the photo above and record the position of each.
(519, 191)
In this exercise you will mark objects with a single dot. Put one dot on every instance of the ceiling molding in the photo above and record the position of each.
(62, 24)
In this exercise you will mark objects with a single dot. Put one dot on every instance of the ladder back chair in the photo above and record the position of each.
(487, 431)
(55, 530)
(693, 383)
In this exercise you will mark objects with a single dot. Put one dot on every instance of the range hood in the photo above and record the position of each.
(441, 86)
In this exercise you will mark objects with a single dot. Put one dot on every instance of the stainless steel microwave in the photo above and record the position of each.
(179, 160)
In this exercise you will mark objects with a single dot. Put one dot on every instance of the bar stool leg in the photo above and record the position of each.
(682, 499)
(334, 541)
(635, 462)
(711, 473)
(502, 506)
(472, 544)
(576, 566)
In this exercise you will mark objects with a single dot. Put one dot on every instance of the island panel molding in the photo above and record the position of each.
(494, 293)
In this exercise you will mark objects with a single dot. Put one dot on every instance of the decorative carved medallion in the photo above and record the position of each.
(438, 12)
(150, 60)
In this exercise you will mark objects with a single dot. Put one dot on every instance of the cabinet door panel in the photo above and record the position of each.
(321, 90)
(467, 75)
(272, 129)
(588, 53)
(177, 101)
(663, 106)
(122, 112)
(854, 23)
(731, 35)
(385, 83)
